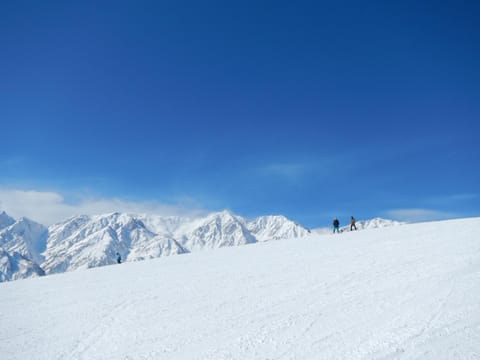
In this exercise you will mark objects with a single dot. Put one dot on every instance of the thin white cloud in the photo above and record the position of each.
(417, 215)
(453, 198)
(49, 207)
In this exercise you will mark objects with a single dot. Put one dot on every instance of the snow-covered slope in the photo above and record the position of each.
(401, 292)
(374, 223)
(266, 228)
(14, 266)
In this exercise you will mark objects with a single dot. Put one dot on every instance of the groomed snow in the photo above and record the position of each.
(407, 292)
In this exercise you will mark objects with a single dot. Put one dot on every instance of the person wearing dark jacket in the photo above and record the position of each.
(119, 258)
(336, 226)
(352, 223)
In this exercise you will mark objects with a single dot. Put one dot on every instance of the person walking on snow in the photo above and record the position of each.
(352, 223)
(336, 226)
(119, 258)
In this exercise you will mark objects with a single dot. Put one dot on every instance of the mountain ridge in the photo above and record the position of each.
(87, 241)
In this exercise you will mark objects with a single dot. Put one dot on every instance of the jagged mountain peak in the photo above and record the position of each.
(224, 215)
(116, 218)
(25, 222)
(5, 220)
(81, 218)
(270, 219)
(274, 227)
(83, 226)
(216, 230)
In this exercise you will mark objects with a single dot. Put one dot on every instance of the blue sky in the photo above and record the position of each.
(311, 109)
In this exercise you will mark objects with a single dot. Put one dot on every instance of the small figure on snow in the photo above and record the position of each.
(336, 226)
(119, 258)
(352, 223)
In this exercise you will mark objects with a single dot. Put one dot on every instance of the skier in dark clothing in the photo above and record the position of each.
(119, 258)
(352, 223)
(336, 226)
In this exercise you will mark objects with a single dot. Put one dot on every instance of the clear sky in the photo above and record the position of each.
(310, 109)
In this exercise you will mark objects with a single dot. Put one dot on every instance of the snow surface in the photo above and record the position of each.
(374, 223)
(403, 292)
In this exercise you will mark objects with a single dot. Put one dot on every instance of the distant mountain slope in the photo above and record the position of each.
(376, 223)
(266, 228)
(5, 220)
(25, 237)
(90, 241)
(84, 242)
(214, 231)
(14, 266)
(163, 225)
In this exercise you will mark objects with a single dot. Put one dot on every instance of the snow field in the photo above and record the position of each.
(407, 292)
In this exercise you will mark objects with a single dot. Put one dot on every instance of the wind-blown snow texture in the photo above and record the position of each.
(405, 292)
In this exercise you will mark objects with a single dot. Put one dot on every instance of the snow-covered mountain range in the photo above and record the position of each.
(89, 241)
(31, 249)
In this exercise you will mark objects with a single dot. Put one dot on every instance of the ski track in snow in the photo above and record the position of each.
(410, 292)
